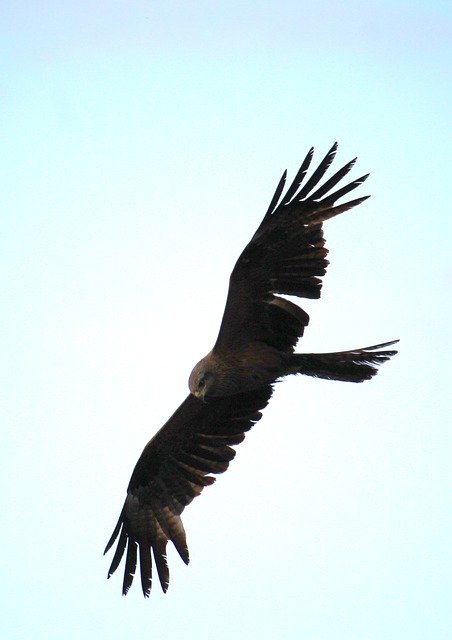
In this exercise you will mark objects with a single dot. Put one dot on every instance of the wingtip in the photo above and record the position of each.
(333, 148)
(146, 590)
(114, 535)
(383, 345)
(363, 178)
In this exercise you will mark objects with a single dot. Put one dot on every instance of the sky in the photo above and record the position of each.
(141, 145)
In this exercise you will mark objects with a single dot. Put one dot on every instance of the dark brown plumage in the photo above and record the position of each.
(172, 470)
(232, 384)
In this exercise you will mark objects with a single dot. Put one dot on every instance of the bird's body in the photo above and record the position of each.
(250, 367)
(232, 384)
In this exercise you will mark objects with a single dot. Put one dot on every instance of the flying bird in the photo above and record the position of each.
(231, 385)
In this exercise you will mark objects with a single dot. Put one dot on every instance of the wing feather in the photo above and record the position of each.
(131, 565)
(159, 553)
(291, 191)
(318, 173)
(277, 194)
(121, 547)
(332, 182)
(146, 568)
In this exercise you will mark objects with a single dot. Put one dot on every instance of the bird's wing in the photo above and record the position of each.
(173, 469)
(286, 255)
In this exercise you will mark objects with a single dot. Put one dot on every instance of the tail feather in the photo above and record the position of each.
(355, 365)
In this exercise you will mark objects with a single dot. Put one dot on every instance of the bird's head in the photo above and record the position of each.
(211, 377)
(202, 379)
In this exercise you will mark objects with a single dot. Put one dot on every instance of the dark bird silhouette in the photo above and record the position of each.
(232, 384)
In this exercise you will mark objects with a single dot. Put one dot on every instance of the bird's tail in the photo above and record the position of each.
(356, 365)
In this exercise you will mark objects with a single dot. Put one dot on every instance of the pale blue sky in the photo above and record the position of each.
(141, 144)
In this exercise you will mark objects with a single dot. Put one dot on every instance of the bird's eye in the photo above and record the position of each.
(202, 383)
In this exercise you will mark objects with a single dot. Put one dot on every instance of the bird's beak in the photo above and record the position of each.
(200, 394)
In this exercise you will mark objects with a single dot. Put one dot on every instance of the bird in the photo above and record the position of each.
(233, 383)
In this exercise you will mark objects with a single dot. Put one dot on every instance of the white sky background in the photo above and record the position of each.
(141, 144)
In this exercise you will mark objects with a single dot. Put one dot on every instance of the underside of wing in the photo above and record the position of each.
(173, 469)
(286, 255)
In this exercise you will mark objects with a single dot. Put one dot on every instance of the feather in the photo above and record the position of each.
(291, 191)
(146, 569)
(131, 565)
(318, 173)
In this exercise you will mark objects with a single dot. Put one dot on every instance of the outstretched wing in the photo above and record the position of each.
(173, 469)
(286, 255)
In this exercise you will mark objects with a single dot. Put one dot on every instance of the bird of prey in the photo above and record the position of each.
(232, 384)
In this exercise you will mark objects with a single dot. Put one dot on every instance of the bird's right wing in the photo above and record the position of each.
(172, 470)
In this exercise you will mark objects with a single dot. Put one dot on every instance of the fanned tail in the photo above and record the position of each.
(355, 365)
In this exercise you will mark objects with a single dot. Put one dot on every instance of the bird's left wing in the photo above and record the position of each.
(173, 469)
(286, 255)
